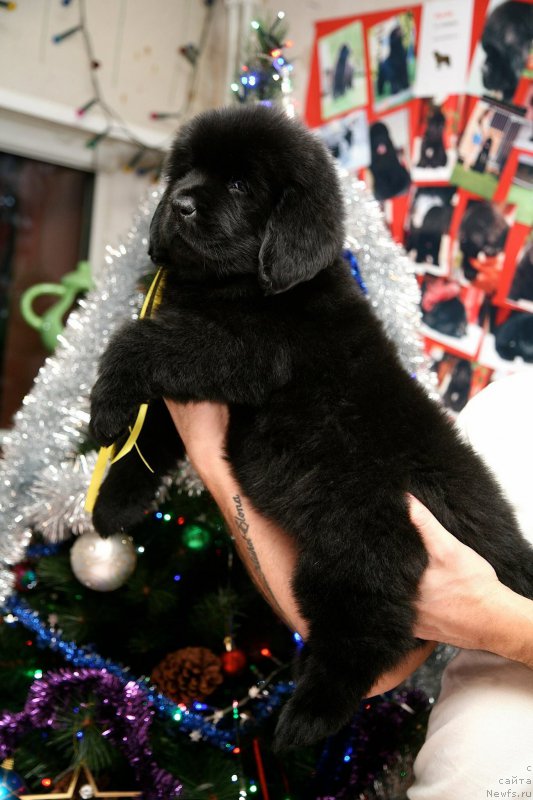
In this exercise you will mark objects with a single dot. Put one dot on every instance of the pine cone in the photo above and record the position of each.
(191, 673)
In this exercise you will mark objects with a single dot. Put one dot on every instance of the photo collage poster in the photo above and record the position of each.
(432, 106)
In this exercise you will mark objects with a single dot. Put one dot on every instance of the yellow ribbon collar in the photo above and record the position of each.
(150, 305)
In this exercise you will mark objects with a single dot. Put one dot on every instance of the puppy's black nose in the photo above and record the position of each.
(183, 204)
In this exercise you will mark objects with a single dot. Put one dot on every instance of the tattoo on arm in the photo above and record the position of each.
(242, 526)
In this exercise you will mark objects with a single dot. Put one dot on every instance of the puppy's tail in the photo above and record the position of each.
(320, 706)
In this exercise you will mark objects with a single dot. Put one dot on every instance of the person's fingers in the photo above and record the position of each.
(437, 540)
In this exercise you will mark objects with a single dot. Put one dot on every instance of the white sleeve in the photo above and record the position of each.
(479, 742)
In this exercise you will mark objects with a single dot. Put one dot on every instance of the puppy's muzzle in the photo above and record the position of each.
(183, 205)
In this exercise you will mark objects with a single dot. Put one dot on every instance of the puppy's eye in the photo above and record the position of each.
(235, 185)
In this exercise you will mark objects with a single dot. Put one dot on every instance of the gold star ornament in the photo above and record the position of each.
(82, 786)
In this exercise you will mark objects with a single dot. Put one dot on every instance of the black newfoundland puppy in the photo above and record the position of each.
(327, 430)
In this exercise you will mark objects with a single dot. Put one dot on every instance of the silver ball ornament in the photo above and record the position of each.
(86, 792)
(103, 564)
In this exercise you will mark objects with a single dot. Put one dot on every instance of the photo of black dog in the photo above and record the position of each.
(442, 308)
(483, 232)
(460, 384)
(522, 285)
(506, 40)
(430, 215)
(327, 432)
(392, 71)
(390, 176)
(514, 338)
(343, 74)
(432, 150)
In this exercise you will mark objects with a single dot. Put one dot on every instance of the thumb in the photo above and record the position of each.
(437, 540)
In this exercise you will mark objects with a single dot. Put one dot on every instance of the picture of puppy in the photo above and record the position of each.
(390, 177)
(506, 40)
(458, 379)
(501, 55)
(392, 71)
(342, 68)
(458, 391)
(520, 192)
(327, 431)
(348, 140)
(522, 286)
(391, 45)
(432, 151)
(514, 339)
(442, 309)
(482, 236)
(344, 73)
(426, 239)
(487, 140)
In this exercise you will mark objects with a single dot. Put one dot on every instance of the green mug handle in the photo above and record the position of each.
(50, 324)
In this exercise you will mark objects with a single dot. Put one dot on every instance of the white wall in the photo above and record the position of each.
(137, 43)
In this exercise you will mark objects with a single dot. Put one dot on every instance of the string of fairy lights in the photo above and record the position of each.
(147, 157)
(265, 77)
(267, 73)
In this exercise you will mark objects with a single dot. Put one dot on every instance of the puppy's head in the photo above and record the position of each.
(249, 191)
(435, 125)
(381, 144)
(506, 40)
(483, 229)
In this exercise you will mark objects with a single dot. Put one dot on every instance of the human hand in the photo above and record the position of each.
(457, 588)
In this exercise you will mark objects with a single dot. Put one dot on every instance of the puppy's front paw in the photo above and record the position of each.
(110, 415)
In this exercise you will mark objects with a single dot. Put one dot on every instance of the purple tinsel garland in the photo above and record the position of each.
(125, 714)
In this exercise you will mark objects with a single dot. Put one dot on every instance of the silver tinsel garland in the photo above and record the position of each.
(52, 424)
(41, 452)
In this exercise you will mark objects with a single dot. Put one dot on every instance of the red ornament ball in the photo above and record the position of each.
(233, 661)
(25, 577)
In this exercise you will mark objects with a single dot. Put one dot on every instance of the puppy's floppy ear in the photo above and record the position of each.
(305, 231)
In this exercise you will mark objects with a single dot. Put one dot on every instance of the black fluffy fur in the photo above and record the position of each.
(327, 430)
